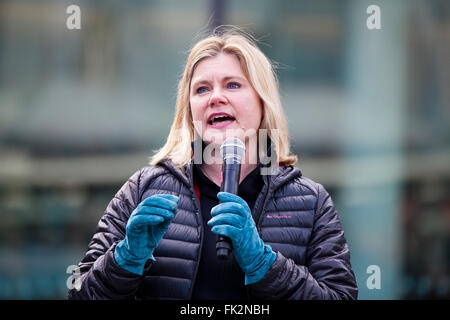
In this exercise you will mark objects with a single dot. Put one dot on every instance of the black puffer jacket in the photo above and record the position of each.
(293, 214)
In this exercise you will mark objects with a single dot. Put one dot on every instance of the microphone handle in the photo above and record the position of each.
(230, 183)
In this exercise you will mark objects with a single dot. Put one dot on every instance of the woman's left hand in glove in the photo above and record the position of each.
(232, 218)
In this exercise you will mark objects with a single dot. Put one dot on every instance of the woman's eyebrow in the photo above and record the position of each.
(195, 83)
(233, 77)
(224, 79)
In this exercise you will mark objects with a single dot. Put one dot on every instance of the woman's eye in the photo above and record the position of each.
(234, 85)
(201, 90)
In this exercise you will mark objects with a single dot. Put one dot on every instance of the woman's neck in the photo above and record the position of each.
(214, 171)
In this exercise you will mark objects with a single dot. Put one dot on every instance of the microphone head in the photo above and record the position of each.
(232, 150)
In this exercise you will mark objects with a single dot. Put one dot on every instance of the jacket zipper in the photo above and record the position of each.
(198, 213)
(257, 214)
(262, 203)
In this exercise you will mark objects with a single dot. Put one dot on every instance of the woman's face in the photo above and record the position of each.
(223, 102)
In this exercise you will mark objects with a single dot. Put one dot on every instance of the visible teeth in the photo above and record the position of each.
(219, 117)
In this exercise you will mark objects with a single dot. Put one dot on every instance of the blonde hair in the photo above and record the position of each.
(259, 72)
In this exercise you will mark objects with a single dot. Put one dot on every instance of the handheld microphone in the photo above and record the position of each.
(232, 151)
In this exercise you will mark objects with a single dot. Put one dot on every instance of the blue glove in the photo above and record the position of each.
(232, 218)
(145, 228)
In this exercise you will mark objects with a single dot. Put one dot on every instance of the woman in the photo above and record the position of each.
(157, 237)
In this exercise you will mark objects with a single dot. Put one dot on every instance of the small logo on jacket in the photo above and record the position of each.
(278, 217)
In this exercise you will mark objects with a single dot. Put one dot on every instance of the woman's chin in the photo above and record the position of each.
(219, 135)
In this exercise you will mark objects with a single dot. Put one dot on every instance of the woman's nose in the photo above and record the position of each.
(217, 98)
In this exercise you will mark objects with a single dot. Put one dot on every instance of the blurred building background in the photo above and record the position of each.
(368, 110)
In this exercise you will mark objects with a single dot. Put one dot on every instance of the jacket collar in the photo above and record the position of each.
(278, 176)
(265, 161)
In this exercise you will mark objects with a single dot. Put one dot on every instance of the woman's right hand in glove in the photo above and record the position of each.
(145, 228)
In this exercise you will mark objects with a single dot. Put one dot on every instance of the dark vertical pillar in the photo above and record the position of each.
(217, 13)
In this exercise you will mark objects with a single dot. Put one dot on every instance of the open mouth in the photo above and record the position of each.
(220, 120)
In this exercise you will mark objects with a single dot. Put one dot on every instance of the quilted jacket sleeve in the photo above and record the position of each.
(100, 276)
(327, 273)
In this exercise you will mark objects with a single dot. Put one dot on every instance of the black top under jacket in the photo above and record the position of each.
(219, 279)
